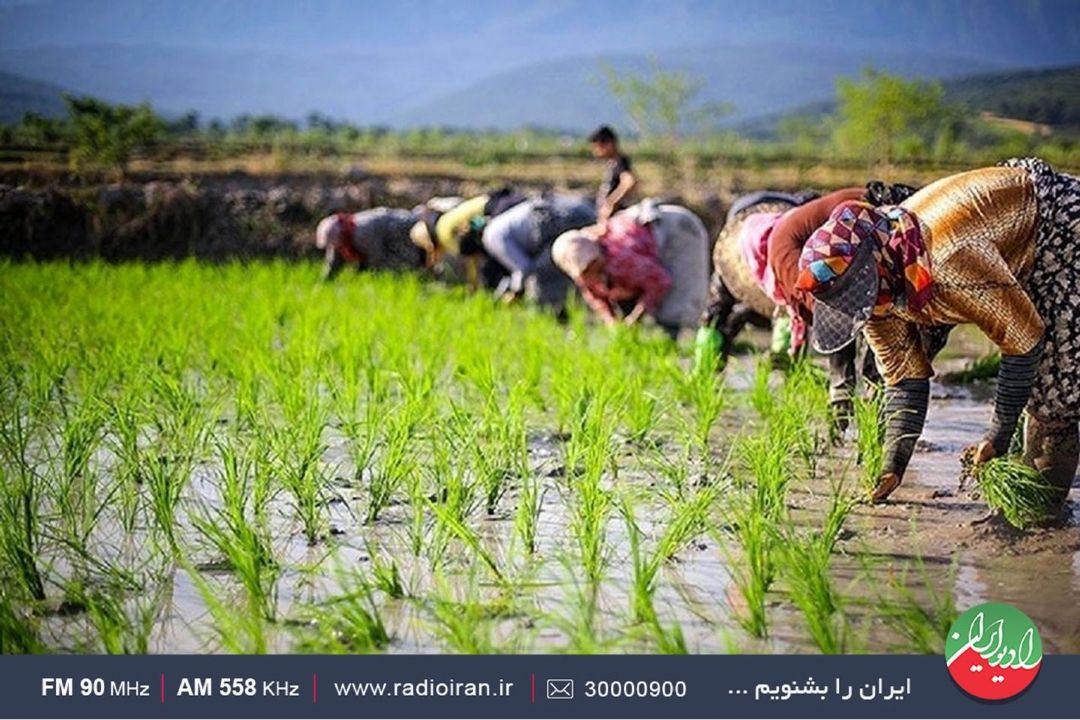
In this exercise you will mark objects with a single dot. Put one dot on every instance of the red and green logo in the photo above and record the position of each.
(993, 651)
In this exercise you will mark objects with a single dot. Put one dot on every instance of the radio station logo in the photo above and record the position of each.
(993, 651)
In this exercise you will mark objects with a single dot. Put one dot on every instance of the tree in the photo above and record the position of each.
(662, 101)
(38, 130)
(882, 114)
(108, 135)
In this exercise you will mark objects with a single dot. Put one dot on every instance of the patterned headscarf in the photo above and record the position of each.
(900, 250)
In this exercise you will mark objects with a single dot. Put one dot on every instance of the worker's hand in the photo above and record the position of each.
(604, 212)
(635, 314)
(984, 451)
(972, 457)
(885, 486)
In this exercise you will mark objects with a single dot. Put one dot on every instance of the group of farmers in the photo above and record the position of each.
(874, 277)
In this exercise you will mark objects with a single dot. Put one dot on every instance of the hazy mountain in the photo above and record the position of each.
(471, 63)
(1049, 96)
(19, 95)
(571, 94)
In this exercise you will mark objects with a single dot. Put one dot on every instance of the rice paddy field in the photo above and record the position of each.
(237, 458)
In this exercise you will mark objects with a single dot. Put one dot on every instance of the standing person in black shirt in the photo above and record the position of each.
(619, 181)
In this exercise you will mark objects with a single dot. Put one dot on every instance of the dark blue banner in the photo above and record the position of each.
(514, 687)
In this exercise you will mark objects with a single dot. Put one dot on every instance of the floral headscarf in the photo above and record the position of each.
(900, 251)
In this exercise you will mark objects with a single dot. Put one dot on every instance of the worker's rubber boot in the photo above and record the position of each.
(781, 335)
(1053, 449)
(709, 350)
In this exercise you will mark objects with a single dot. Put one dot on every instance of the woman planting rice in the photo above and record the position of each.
(455, 231)
(520, 241)
(755, 262)
(372, 239)
(997, 247)
(655, 257)
(736, 296)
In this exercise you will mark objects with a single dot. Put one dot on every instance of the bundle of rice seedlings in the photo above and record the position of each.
(1018, 490)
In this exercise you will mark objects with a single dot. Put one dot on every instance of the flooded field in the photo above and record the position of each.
(236, 459)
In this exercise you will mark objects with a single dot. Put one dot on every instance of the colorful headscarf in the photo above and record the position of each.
(900, 250)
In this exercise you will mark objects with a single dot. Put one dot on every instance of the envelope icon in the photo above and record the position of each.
(560, 689)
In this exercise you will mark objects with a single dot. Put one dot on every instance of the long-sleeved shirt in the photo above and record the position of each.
(452, 224)
(632, 268)
(379, 240)
(519, 237)
(980, 228)
(511, 240)
(788, 237)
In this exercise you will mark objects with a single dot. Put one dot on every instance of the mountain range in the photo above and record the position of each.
(498, 63)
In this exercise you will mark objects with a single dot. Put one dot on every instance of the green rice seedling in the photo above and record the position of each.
(675, 469)
(469, 538)
(530, 504)
(75, 490)
(588, 455)
(917, 603)
(21, 524)
(165, 482)
(805, 560)
(123, 625)
(456, 486)
(124, 436)
(668, 641)
(804, 405)
(1017, 490)
(581, 623)
(762, 397)
(753, 515)
(419, 526)
(348, 623)
(359, 418)
(689, 519)
(237, 535)
(708, 399)
(395, 467)
(20, 632)
(183, 421)
(870, 438)
(644, 411)
(753, 566)
(982, 368)
(464, 627)
(386, 575)
(768, 457)
(237, 629)
(299, 448)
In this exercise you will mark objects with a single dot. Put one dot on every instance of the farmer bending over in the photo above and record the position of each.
(455, 231)
(653, 257)
(520, 241)
(371, 239)
(998, 247)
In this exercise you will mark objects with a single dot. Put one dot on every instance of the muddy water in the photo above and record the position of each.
(927, 536)
(1038, 571)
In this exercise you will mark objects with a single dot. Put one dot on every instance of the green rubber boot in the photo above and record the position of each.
(708, 350)
(781, 335)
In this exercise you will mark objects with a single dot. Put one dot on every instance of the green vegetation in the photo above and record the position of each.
(1018, 490)
(661, 103)
(879, 118)
(884, 116)
(211, 458)
(108, 135)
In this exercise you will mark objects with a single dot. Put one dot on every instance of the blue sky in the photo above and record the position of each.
(378, 61)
